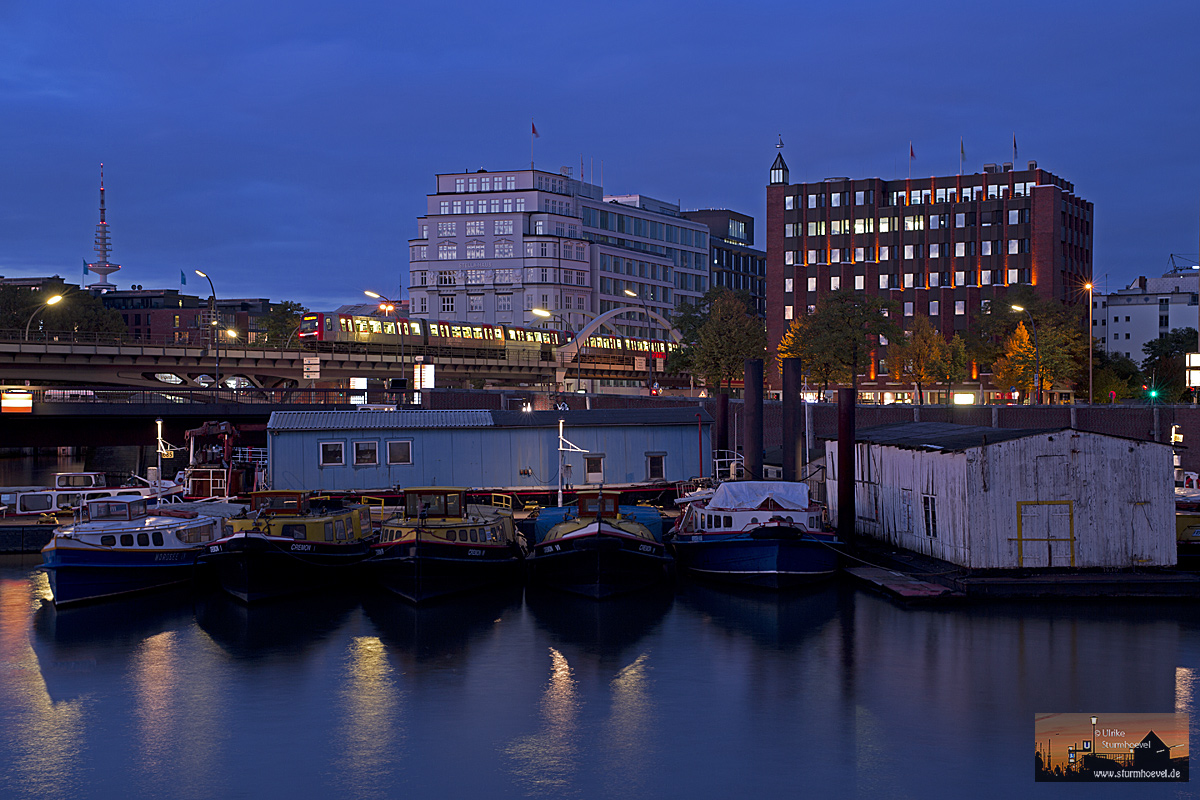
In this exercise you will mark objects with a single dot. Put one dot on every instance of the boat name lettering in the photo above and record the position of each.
(214, 548)
(645, 548)
(474, 552)
(304, 548)
(166, 556)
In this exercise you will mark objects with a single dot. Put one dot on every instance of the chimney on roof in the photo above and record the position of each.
(1008, 165)
(989, 168)
(1032, 165)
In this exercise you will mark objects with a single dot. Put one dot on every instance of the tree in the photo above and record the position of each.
(78, 312)
(813, 345)
(688, 320)
(1062, 339)
(955, 365)
(840, 335)
(1015, 368)
(1163, 366)
(282, 322)
(917, 356)
(728, 337)
(1114, 377)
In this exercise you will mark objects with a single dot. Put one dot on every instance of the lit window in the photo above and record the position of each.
(960, 249)
(475, 227)
(787, 285)
(933, 308)
(960, 307)
(908, 280)
(812, 257)
(885, 253)
(1013, 245)
(960, 278)
(908, 251)
(860, 282)
(883, 281)
(858, 254)
(812, 284)
(986, 278)
(835, 283)
(835, 255)
(1012, 276)
(986, 248)
(908, 309)
(787, 312)
(788, 258)
(504, 249)
(788, 203)
(447, 228)
(475, 250)
(447, 251)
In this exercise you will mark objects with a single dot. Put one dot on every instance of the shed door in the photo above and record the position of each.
(1046, 535)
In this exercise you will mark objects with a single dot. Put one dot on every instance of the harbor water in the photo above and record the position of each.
(697, 693)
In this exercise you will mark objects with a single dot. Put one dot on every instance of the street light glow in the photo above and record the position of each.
(1017, 308)
(54, 299)
(541, 312)
(201, 274)
(631, 293)
(231, 333)
(375, 295)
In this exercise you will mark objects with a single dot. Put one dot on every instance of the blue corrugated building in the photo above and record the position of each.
(374, 450)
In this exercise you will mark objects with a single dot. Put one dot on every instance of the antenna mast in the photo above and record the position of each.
(103, 267)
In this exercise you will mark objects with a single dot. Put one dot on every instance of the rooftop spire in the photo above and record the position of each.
(103, 267)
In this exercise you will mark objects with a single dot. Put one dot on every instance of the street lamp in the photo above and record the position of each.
(541, 312)
(49, 302)
(650, 353)
(214, 322)
(1037, 358)
(390, 307)
(1091, 339)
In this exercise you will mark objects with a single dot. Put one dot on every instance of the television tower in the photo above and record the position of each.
(103, 267)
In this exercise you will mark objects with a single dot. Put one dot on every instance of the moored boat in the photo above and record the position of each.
(756, 533)
(116, 546)
(71, 490)
(599, 549)
(441, 545)
(289, 542)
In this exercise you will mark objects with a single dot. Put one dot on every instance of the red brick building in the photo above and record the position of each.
(940, 246)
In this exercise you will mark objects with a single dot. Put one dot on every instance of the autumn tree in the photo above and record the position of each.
(956, 364)
(841, 333)
(727, 337)
(1016, 367)
(917, 356)
(813, 345)
(1062, 339)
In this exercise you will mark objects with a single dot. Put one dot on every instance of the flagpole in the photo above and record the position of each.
(532, 128)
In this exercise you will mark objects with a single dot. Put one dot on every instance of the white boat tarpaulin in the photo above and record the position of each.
(752, 494)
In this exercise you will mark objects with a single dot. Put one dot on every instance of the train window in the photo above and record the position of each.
(456, 331)
(479, 332)
(329, 323)
(362, 325)
(376, 326)
(345, 323)
(500, 333)
(389, 328)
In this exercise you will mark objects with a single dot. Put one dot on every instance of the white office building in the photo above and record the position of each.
(493, 246)
(1147, 309)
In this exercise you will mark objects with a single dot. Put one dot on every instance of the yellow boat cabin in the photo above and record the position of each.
(297, 515)
(442, 513)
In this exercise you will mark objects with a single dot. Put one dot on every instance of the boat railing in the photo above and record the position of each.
(250, 455)
(728, 465)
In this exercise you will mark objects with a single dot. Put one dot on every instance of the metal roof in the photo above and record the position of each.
(683, 415)
(390, 420)
(943, 437)
(376, 420)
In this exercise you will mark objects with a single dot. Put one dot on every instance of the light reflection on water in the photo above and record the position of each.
(705, 694)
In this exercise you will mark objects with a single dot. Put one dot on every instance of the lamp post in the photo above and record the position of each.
(390, 306)
(1091, 339)
(1037, 358)
(49, 302)
(214, 323)
(541, 312)
(650, 353)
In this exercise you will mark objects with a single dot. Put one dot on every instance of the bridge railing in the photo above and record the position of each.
(186, 395)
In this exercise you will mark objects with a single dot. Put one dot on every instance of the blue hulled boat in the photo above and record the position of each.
(115, 546)
(756, 533)
(599, 549)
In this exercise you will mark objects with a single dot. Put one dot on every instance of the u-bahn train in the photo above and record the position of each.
(334, 330)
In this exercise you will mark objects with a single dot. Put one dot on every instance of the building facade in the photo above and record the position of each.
(733, 261)
(1149, 308)
(941, 246)
(493, 246)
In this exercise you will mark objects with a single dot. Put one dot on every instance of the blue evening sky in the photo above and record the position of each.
(287, 148)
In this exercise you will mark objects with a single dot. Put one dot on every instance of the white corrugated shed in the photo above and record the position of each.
(992, 498)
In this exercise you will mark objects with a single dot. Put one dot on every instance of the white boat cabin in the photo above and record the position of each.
(738, 506)
(80, 480)
(127, 522)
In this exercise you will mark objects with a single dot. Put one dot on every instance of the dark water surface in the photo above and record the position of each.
(699, 694)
